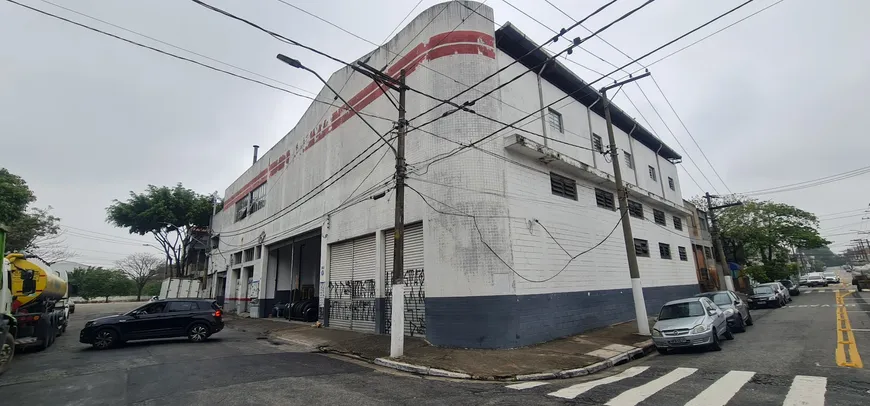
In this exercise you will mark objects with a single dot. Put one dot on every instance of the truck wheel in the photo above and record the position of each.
(48, 336)
(7, 352)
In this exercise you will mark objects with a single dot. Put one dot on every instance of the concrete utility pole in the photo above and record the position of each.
(633, 270)
(717, 241)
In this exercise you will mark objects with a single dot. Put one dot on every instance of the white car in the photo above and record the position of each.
(832, 277)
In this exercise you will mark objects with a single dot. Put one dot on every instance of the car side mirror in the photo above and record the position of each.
(711, 312)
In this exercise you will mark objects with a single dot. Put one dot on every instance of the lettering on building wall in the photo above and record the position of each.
(415, 303)
(355, 310)
(364, 289)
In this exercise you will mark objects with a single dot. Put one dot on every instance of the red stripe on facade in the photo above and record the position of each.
(438, 46)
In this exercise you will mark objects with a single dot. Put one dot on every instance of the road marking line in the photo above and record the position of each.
(573, 391)
(815, 305)
(721, 391)
(526, 385)
(806, 391)
(862, 330)
(802, 306)
(640, 393)
(845, 337)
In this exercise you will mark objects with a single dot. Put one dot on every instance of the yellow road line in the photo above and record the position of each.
(845, 337)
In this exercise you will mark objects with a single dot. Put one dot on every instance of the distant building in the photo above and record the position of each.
(706, 265)
(498, 280)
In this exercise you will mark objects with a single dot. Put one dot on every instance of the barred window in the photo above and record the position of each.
(708, 252)
(635, 209)
(678, 223)
(604, 199)
(652, 173)
(665, 250)
(671, 183)
(562, 186)
(683, 255)
(641, 247)
(554, 118)
(258, 198)
(629, 160)
(597, 143)
(659, 217)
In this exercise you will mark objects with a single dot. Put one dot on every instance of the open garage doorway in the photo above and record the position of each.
(294, 277)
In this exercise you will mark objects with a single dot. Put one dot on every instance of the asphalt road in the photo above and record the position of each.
(787, 357)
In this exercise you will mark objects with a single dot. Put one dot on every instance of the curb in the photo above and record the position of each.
(640, 351)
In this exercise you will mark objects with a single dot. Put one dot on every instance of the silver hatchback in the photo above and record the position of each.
(692, 322)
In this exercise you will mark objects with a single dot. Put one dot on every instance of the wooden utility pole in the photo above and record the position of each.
(631, 254)
(717, 240)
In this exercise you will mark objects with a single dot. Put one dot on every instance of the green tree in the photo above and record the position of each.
(167, 213)
(96, 282)
(828, 257)
(31, 229)
(152, 288)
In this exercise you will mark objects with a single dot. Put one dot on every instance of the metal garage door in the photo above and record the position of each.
(352, 271)
(415, 289)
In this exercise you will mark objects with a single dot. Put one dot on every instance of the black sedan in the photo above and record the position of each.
(792, 288)
(196, 319)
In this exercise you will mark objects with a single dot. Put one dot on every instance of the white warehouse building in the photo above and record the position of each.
(488, 252)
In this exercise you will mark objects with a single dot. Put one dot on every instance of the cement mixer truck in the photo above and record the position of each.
(33, 305)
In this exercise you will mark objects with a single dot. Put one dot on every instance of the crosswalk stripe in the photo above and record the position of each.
(575, 390)
(721, 391)
(526, 385)
(639, 394)
(806, 391)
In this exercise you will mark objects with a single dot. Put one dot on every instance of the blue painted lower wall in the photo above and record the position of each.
(510, 321)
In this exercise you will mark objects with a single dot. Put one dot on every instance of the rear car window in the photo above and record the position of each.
(182, 306)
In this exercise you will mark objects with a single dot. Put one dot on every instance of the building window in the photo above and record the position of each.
(708, 253)
(259, 253)
(702, 220)
(635, 209)
(562, 186)
(659, 217)
(629, 160)
(652, 173)
(242, 208)
(678, 223)
(555, 120)
(249, 255)
(641, 247)
(665, 250)
(604, 199)
(597, 144)
(671, 183)
(258, 198)
(682, 251)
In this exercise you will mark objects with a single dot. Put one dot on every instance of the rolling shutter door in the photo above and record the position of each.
(364, 271)
(340, 280)
(414, 276)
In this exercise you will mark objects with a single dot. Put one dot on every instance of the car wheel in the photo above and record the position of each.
(741, 325)
(7, 352)
(105, 338)
(778, 304)
(729, 335)
(716, 345)
(197, 333)
(749, 319)
(663, 351)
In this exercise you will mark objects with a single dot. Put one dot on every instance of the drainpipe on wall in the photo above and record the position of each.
(541, 98)
(659, 168)
(631, 151)
(591, 144)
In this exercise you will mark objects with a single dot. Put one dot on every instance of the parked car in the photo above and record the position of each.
(692, 322)
(793, 289)
(780, 290)
(765, 296)
(196, 319)
(832, 277)
(802, 280)
(815, 279)
(72, 306)
(741, 318)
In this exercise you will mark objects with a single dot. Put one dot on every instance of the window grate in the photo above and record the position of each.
(604, 199)
(554, 119)
(652, 173)
(562, 186)
(682, 252)
(665, 250)
(671, 183)
(708, 253)
(641, 247)
(629, 160)
(258, 198)
(659, 217)
(678, 223)
(597, 143)
(635, 209)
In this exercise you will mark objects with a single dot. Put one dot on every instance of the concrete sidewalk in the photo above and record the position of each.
(563, 358)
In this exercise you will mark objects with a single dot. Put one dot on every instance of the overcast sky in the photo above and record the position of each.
(777, 99)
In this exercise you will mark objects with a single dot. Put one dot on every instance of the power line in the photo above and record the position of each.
(809, 183)
(597, 80)
(101, 234)
(396, 28)
(179, 57)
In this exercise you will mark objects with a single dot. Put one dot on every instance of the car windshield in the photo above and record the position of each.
(787, 283)
(830, 274)
(814, 277)
(681, 310)
(763, 290)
